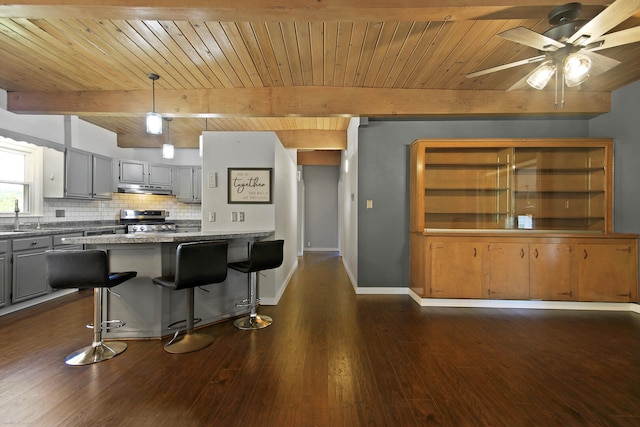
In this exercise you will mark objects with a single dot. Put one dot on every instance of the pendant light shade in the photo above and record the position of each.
(154, 123)
(168, 148)
(154, 120)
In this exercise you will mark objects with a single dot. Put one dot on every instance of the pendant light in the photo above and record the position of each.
(154, 120)
(168, 148)
(201, 139)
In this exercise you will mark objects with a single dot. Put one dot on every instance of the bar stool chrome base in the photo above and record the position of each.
(191, 341)
(95, 353)
(248, 323)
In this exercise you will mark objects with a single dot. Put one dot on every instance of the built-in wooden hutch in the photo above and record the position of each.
(518, 219)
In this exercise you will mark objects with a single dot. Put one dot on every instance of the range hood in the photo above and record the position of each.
(144, 189)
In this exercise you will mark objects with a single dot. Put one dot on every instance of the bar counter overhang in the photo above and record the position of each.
(148, 309)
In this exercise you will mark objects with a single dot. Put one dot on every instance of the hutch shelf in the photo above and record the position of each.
(517, 219)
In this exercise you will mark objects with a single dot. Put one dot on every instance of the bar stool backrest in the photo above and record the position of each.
(83, 269)
(265, 255)
(200, 263)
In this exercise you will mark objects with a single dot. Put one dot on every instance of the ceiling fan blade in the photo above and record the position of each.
(506, 66)
(532, 39)
(599, 63)
(613, 15)
(631, 35)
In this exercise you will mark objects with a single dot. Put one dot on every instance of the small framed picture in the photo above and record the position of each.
(249, 185)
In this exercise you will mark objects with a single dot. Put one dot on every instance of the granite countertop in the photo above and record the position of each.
(54, 230)
(141, 238)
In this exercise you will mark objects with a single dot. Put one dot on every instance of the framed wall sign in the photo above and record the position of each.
(249, 185)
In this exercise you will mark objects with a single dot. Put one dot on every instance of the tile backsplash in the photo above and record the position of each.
(109, 210)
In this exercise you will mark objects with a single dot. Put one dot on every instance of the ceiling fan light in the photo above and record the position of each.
(571, 83)
(154, 123)
(576, 68)
(167, 151)
(540, 77)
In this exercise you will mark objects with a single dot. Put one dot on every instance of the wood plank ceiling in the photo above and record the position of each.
(298, 67)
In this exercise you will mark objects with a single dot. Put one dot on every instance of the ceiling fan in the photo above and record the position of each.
(568, 48)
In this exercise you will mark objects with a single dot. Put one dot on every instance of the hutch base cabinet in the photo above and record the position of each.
(517, 219)
(601, 268)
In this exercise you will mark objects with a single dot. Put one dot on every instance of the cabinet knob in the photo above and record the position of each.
(34, 243)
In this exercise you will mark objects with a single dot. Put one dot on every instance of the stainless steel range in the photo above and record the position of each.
(146, 221)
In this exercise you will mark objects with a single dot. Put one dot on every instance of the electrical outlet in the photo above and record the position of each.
(59, 213)
(241, 216)
(234, 216)
(212, 217)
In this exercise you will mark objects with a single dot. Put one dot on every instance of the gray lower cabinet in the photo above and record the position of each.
(29, 268)
(4, 272)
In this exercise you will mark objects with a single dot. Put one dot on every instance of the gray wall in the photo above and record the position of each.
(383, 231)
(623, 123)
(321, 207)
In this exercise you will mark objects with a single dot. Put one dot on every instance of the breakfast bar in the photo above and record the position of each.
(148, 309)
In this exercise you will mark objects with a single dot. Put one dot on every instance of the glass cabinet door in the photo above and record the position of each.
(549, 186)
(466, 188)
(559, 188)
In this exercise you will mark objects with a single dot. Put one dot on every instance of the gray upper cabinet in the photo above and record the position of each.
(78, 174)
(189, 186)
(86, 175)
(143, 173)
(102, 170)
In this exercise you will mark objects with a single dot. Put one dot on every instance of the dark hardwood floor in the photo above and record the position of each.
(333, 358)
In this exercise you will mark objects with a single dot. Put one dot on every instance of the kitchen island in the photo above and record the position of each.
(148, 309)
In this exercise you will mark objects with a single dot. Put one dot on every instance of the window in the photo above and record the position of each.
(20, 177)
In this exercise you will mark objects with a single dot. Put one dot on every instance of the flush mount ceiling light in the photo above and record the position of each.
(168, 148)
(154, 120)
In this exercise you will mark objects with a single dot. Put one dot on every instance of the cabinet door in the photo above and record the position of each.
(607, 272)
(132, 172)
(78, 167)
(551, 272)
(4, 282)
(160, 175)
(456, 270)
(197, 184)
(102, 177)
(184, 191)
(507, 272)
(29, 275)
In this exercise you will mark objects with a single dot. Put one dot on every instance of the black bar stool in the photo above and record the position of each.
(197, 264)
(264, 255)
(88, 269)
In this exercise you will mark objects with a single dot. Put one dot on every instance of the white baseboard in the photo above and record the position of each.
(321, 249)
(484, 303)
(283, 287)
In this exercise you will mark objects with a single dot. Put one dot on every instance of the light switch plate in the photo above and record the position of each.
(212, 179)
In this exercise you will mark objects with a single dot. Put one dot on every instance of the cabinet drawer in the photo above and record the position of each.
(32, 243)
(4, 246)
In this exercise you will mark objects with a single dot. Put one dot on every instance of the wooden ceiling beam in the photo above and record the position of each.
(308, 101)
(312, 139)
(291, 10)
(319, 158)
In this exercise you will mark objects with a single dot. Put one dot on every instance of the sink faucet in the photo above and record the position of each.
(16, 222)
